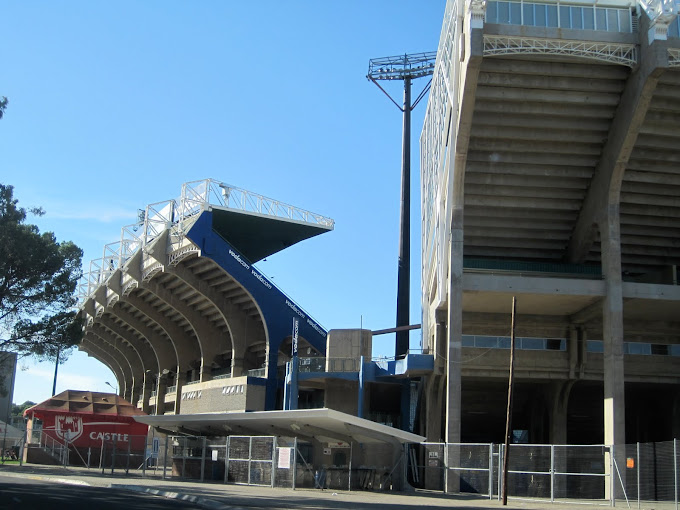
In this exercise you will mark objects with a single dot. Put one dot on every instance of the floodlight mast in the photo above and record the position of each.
(405, 67)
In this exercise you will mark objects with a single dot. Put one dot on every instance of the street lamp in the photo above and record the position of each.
(109, 384)
(406, 68)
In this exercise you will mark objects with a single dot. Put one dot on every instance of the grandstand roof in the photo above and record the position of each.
(257, 236)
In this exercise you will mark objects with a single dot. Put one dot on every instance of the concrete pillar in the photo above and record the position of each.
(146, 391)
(572, 350)
(206, 373)
(612, 335)
(433, 408)
(236, 367)
(676, 417)
(440, 347)
(433, 431)
(137, 393)
(129, 392)
(583, 351)
(161, 388)
(455, 326)
(559, 396)
(179, 382)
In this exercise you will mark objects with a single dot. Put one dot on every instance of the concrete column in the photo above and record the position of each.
(572, 350)
(206, 372)
(433, 409)
(455, 327)
(559, 396)
(161, 388)
(440, 347)
(236, 367)
(433, 430)
(137, 392)
(676, 417)
(612, 335)
(129, 392)
(179, 382)
(146, 391)
(583, 351)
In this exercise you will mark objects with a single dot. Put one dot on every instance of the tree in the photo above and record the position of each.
(3, 105)
(38, 279)
(18, 410)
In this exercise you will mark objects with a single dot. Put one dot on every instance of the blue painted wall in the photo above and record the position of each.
(277, 308)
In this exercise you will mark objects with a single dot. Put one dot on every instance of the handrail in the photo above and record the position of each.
(176, 215)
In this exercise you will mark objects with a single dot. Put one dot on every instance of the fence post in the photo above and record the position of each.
(612, 479)
(446, 466)
(250, 456)
(113, 455)
(144, 455)
(101, 456)
(552, 473)
(294, 461)
(273, 461)
(490, 471)
(127, 462)
(203, 458)
(675, 470)
(637, 460)
(165, 455)
(226, 461)
(184, 457)
(501, 452)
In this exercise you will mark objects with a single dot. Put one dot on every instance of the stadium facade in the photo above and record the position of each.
(550, 172)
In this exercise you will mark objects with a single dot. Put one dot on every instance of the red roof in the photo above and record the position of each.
(85, 402)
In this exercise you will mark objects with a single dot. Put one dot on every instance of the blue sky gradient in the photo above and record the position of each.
(113, 105)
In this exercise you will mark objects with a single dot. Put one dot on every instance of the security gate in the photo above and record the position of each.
(251, 460)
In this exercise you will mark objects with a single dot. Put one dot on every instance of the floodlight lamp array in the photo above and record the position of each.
(414, 65)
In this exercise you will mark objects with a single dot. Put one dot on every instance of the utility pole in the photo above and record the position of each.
(508, 417)
(406, 68)
(56, 368)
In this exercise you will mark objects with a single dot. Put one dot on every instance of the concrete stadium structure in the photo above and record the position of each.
(175, 305)
(206, 345)
(550, 171)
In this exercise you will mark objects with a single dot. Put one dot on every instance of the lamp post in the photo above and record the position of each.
(109, 384)
(405, 68)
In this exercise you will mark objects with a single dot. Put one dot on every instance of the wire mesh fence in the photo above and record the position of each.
(597, 474)
(637, 474)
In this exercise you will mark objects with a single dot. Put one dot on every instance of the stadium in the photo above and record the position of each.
(549, 173)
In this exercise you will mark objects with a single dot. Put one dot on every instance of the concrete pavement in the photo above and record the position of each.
(239, 497)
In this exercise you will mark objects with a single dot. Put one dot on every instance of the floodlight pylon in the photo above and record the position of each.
(407, 67)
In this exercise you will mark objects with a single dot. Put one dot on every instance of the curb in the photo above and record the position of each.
(211, 504)
(65, 481)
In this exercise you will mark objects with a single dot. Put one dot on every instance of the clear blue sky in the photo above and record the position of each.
(113, 105)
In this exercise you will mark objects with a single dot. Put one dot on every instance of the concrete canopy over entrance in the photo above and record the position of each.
(326, 425)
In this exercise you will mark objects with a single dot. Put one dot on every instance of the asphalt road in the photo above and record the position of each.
(27, 494)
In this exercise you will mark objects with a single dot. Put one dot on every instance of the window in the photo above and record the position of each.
(533, 344)
(556, 344)
(637, 348)
(595, 346)
(577, 17)
(660, 350)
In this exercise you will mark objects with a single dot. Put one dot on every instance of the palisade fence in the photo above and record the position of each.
(645, 473)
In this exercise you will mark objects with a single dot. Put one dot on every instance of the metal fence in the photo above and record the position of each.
(640, 475)
(597, 474)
